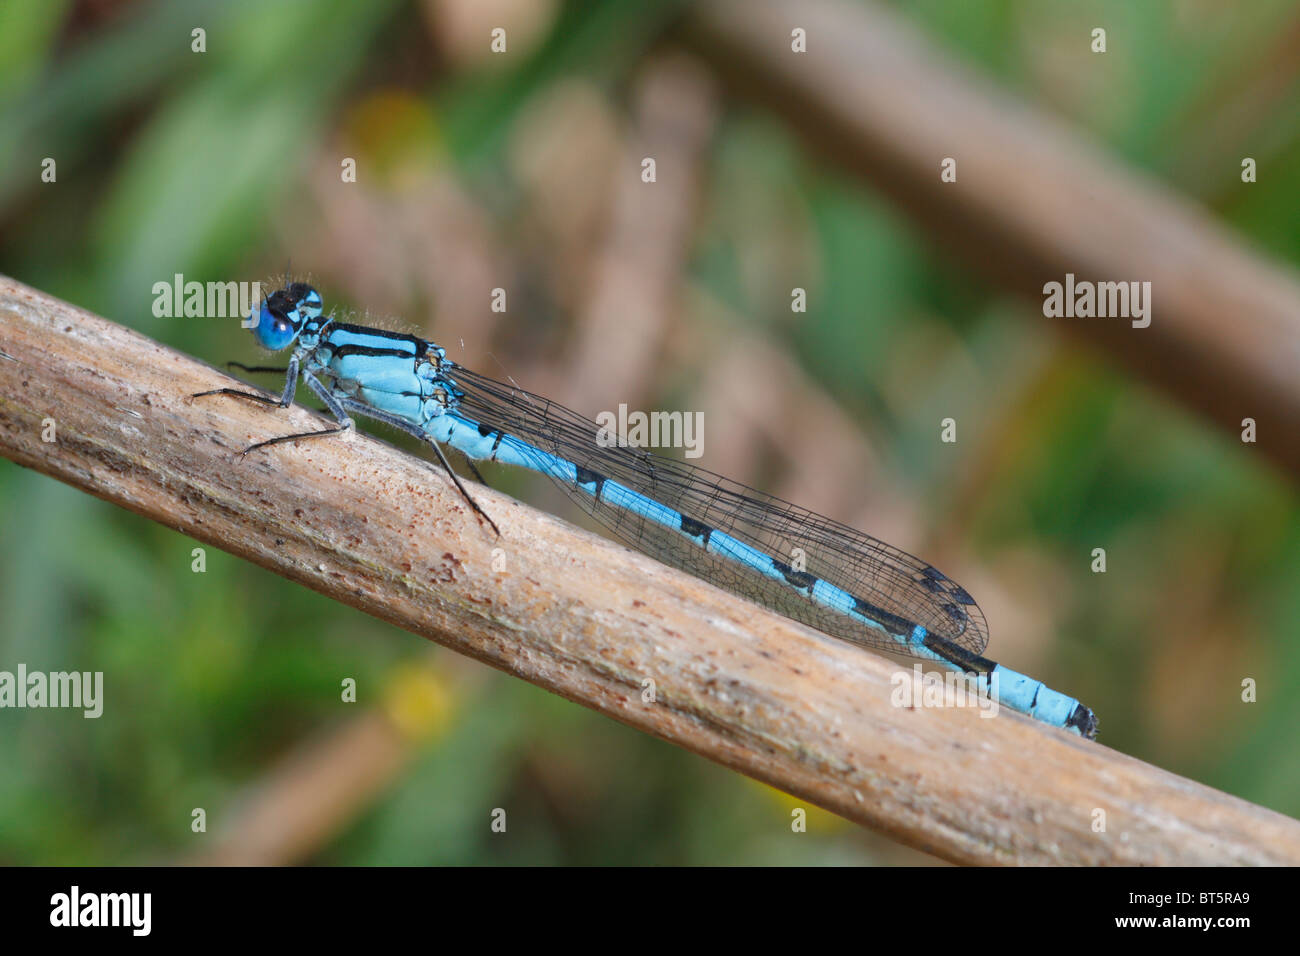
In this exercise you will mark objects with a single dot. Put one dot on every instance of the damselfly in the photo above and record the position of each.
(812, 569)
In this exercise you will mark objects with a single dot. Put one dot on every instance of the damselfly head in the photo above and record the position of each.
(282, 314)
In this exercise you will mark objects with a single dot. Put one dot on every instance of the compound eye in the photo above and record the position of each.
(273, 331)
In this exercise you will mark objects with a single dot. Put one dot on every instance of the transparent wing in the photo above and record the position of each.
(908, 590)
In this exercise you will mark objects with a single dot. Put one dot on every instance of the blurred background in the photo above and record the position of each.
(522, 170)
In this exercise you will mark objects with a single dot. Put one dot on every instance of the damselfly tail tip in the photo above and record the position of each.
(1083, 722)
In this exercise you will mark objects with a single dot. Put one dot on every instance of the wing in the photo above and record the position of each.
(903, 589)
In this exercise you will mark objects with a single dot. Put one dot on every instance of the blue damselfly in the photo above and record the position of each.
(812, 569)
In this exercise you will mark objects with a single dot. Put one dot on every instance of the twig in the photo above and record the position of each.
(1033, 200)
(639, 268)
(383, 532)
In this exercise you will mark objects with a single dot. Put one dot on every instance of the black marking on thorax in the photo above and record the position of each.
(412, 346)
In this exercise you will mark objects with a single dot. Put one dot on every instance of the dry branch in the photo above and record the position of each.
(382, 531)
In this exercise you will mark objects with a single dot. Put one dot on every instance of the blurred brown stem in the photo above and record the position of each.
(1033, 201)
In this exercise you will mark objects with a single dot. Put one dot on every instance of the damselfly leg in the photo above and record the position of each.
(403, 425)
(281, 369)
(339, 407)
